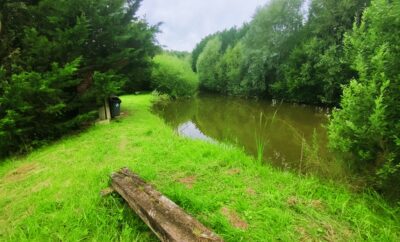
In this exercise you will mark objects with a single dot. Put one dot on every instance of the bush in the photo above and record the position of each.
(31, 102)
(173, 76)
(367, 125)
(38, 107)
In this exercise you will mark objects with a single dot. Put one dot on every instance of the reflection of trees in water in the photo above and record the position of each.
(178, 111)
(236, 120)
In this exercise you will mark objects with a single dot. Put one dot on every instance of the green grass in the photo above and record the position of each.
(53, 193)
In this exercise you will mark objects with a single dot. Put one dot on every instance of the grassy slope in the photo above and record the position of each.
(53, 193)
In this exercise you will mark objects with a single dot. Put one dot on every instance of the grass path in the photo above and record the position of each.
(53, 193)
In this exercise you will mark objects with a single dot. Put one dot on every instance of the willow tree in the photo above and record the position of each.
(269, 40)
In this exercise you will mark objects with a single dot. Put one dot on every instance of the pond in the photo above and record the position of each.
(289, 136)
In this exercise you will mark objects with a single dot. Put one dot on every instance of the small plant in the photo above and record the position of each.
(160, 98)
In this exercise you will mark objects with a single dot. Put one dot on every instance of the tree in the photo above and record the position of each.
(14, 16)
(199, 49)
(60, 59)
(367, 124)
(228, 38)
(268, 42)
(316, 65)
(31, 101)
(105, 33)
(207, 65)
(234, 59)
(229, 70)
(174, 76)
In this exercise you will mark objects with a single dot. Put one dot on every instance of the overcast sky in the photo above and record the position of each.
(186, 22)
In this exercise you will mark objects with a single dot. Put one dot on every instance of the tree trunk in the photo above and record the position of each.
(166, 219)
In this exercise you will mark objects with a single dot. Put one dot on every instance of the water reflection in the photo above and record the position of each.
(190, 130)
(288, 131)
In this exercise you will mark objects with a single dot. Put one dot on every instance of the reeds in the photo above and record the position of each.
(261, 137)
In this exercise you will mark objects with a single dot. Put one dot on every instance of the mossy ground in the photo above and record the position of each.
(54, 193)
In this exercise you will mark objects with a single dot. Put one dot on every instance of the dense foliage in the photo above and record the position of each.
(291, 50)
(227, 37)
(173, 75)
(207, 65)
(315, 65)
(367, 125)
(308, 52)
(59, 59)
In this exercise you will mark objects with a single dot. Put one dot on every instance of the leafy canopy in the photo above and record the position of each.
(173, 76)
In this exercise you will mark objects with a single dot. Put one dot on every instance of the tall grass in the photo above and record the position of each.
(261, 138)
(311, 161)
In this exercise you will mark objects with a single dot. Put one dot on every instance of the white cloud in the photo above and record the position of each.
(186, 22)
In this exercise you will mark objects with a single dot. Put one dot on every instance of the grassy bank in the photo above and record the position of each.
(53, 193)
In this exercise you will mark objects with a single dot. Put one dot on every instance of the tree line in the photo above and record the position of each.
(292, 50)
(339, 53)
(60, 59)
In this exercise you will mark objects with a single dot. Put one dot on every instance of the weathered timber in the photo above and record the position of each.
(166, 219)
(105, 112)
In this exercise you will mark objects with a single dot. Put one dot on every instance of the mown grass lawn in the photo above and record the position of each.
(54, 193)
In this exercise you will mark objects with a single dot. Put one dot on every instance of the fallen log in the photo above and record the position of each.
(166, 219)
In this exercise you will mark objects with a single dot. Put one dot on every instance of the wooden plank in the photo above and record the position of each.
(107, 107)
(104, 111)
(166, 219)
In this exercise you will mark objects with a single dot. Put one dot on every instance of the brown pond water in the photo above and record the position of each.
(294, 136)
